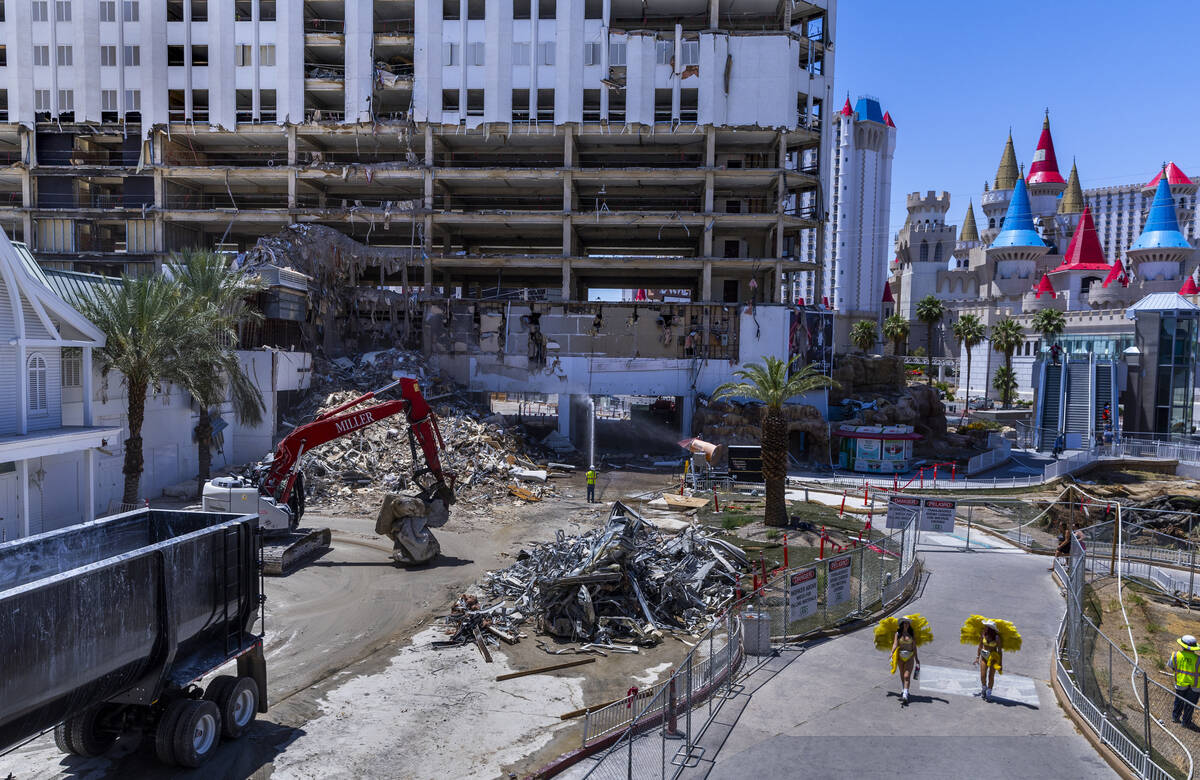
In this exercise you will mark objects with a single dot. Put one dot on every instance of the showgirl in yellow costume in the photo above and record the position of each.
(991, 637)
(902, 636)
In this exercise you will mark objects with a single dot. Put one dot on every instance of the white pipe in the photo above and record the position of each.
(591, 432)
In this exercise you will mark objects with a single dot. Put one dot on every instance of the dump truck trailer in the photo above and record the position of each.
(107, 627)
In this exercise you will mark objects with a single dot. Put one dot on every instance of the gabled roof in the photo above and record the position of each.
(1117, 274)
(1071, 201)
(1174, 176)
(1162, 226)
(1043, 287)
(1008, 173)
(72, 286)
(1084, 252)
(969, 231)
(1161, 302)
(39, 313)
(1044, 168)
(1018, 222)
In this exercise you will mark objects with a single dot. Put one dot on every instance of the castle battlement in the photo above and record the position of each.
(939, 201)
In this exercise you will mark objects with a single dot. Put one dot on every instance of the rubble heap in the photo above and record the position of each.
(624, 582)
(486, 458)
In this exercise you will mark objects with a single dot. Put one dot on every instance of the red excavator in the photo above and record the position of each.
(275, 486)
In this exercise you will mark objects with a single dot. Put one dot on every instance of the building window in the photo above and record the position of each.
(64, 56)
(591, 54)
(266, 55)
(41, 100)
(924, 250)
(37, 384)
(243, 56)
(130, 13)
(72, 367)
(450, 54)
(108, 10)
(266, 10)
(41, 55)
(108, 56)
(450, 100)
(108, 100)
(133, 100)
(199, 10)
(663, 52)
(691, 53)
(133, 56)
(66, 100)
(475, 54)
(40, 11)
(520, 54)
(546, 53)
(616, 54)
(62, 10)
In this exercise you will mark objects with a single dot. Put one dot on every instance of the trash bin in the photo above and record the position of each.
(756, 633)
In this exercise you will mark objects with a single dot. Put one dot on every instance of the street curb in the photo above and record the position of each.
(1064, 703)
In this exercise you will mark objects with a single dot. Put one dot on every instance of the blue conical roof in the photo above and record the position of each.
(1162, 227)
(1018, 222)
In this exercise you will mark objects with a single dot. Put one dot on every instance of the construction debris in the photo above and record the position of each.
(543, 669)
(628, 581)
(486, 458)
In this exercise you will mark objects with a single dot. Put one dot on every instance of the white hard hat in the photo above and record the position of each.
(1188, 641)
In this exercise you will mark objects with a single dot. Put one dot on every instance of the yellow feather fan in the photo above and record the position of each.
(972, 632)
(885, 631)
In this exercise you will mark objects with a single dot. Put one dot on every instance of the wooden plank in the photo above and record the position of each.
(542, 669)
(586, 710)
(482, 646)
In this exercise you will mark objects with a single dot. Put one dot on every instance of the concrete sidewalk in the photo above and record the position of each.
(832, 710)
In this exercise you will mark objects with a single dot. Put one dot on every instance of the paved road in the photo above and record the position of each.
(832, 709)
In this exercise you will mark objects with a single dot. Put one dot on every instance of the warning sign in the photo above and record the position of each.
(837, 586)
(901, 509)
(938, 515)
(802, 594)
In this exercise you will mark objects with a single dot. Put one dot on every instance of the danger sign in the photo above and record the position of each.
(837, 586)
(901, 509)
(802, 594)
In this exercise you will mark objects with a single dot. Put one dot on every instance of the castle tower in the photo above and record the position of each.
(1183, 190)
(995, 200)
(1161, 250)
(1044, 181)
(1070, 208)
(1083, 267)
(924, 247)
(1015, 251)
(968, 237)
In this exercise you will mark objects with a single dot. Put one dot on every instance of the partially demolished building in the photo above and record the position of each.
(484, 149)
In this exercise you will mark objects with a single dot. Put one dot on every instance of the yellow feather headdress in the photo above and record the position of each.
(972, 632)
(885, 631)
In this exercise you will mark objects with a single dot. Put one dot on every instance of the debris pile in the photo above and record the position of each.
(626, 582)
(488, 460)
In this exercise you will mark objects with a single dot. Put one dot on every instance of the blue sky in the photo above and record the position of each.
(1118, 78)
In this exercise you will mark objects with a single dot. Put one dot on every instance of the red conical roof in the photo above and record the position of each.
(1189, 287)
(887, 119)
(887, 294)
(1117, 274)
(799, 301)
(846, 109)
(1174, 176)
(1044, 286)
(1084, 252)
(1044, 168)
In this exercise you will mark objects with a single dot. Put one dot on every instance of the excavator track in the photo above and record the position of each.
(282, 554)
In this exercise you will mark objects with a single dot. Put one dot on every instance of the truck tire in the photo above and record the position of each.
(197, 733)
(164, 733)
(81, 735)
(237, 701)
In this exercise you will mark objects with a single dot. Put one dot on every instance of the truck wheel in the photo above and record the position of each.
(81, 735)
(237, 700)
(197, 733)
(164, 733)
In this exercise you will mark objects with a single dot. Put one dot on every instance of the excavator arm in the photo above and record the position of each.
(283, 467)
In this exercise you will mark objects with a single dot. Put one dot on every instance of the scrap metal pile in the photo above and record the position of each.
(627, 582)
(486, 458)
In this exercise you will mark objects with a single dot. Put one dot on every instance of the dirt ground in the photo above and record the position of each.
(355, 688)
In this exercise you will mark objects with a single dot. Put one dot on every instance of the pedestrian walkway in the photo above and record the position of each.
(832, 710)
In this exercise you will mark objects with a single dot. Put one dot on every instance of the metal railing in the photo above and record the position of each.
(654, 732)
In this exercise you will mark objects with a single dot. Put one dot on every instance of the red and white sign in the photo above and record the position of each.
(938, 515)
(837, 585)
(901, 509)
(802, 594)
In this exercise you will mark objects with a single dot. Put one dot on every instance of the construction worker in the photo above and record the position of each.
(591, 484)
(1183, 663)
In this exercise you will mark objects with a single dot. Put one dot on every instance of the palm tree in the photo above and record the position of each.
(154, 335)
(862, 334)
(969, 331)
(1050, 323)
(930, 311)
(772, 383)
(895, 330)
(208, 281)
(1007, 335)
(1005, 382)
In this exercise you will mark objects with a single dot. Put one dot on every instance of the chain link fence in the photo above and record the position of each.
(653, 731)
